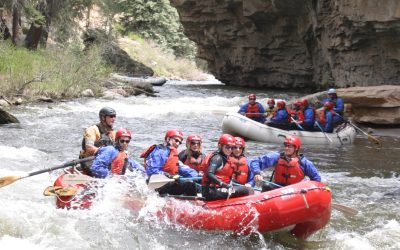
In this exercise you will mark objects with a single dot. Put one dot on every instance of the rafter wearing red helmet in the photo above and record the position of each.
(281, 117)
(163, 159)
(326, 118)
(253, 110)
(290, 166)
(115, 159)
(218, 172)
(193, 156)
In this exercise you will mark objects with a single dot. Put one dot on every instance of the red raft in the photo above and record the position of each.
(302, 209)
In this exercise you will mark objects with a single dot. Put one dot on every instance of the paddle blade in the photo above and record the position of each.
(74, 179)
(375, 140)
(345, 209)
(158, 180)
(7, 180)
(60, 191)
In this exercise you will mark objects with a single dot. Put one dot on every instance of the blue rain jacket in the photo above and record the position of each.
(271, 159)
(104, 158)
(281, 116)
(261, 109)
(309, 116)
(157, 158)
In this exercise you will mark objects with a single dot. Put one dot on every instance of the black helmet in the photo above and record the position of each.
(107, 111)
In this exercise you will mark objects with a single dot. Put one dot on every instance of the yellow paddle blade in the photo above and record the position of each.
(344, 209)
(60, 191)
(7, 180)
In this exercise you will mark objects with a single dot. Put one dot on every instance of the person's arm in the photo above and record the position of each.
(243, 109)
(136, 165)
(339, 107)
(328, 124)
(102, 162)
(91, 135)
(186, 171)
(156, 160)
(216, 162)
(310, 170)
(263, 162)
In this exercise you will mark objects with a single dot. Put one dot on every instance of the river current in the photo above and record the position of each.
(360, 176)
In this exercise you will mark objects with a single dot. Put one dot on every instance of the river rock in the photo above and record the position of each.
(87, 93)
(6, 117)
(296, 43)
(378, 105)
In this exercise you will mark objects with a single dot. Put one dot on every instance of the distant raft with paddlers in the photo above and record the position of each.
(155, 81)
(237, 124)
(300, 209)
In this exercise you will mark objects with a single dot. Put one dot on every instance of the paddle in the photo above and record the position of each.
(60, 191)
(320, 128)
(370, 137)
(73, 179)
(297, 123)
(342, 208)
(159, 180)
(7, 180)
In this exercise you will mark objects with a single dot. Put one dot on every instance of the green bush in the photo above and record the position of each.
(54, 72)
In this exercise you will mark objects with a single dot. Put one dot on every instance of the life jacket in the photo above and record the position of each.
(103, 140)
(322, 117)
(195, 163)
(253, 110)
(270, 111)
(240, 169)
(288, 171)
(224, 174)
(172, 163)
(289, 115)
(119, 164)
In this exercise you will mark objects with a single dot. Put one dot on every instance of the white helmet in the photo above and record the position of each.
(331, 91)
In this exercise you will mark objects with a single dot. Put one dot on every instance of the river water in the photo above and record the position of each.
(361, 176)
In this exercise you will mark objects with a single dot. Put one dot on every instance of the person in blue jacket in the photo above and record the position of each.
(281, 117)
(253, 110)
(163, 159)
(290, 166)
(309, 115)
(114, 159)
(338, 105)
(326, 118)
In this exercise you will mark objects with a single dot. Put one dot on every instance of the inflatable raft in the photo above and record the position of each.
(301, 209)
(237, 124)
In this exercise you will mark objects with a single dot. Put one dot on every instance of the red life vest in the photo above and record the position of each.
(288, 172)
(224, 174)
(240, 169)
(322, 117)
(195, 163)
(117, 165)
(172, 163)
(253, 110)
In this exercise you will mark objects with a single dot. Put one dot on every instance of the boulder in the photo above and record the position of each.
(6, 117)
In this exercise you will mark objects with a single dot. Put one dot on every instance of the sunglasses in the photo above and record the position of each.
(228, 147)
(177, 141)
(124, 141)
(289, 146)
(195, 143)
(238, 148)
(111, 116)
(252, 99)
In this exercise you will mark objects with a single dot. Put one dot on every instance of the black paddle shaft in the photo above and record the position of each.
(67, 164)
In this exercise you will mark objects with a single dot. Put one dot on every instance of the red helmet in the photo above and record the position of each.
(239, 141)
(329, 105)
(252, 96)
(297, 103)
(293, 140)
(280, 104)
(226, 139)
(123, 132)
(304, 102)
(193, 137)
(271, 101)
(174, 133)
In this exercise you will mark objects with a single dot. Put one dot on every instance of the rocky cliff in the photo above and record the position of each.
(296, 43)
